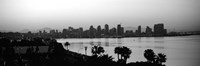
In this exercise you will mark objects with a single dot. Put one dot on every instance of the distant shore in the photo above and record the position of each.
(126, 37)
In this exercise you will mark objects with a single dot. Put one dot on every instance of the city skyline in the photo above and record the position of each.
(178, 15)
(98, 32)
(126, 28)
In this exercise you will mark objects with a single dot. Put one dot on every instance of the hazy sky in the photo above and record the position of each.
(17, 15)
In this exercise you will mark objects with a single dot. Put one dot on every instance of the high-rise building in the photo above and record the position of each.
(139, 30)
(91, 31)
(128, 33)
(148, 31)
(52, 32)
(106, 29)
(113, 31)
(159, 30)
(122, 30)
(119, 29)
(99, 31)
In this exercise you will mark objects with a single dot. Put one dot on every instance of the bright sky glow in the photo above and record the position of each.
(17, 15)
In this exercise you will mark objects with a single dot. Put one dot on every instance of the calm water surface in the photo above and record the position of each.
(180, 51)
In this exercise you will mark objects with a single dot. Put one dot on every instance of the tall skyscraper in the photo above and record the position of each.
(122, 30)
(91, 31)
(138, 32)
(99, 31)
(148, 31)
(106, 29)
(113, 31)
(159, 29)
(119, 29)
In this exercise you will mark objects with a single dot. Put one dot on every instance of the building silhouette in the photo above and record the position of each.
(113, 31)
(106, 29)
(159, 30)
(119, 30)
(128, 33)
(99, 31)
(92, 31)
(122, 30)
(52, 31)
(138, 31)
(148, 31)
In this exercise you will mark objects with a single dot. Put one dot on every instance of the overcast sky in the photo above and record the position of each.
(17, 15)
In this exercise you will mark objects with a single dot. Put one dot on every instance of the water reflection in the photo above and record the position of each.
(119, 40)
(139, 39)
(159, 40)
(106, 42)
(92, 42)
(175, 48)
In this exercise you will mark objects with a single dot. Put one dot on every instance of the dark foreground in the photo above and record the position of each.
(55, 55)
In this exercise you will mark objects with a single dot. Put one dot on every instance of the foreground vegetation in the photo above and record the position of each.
(56, 55)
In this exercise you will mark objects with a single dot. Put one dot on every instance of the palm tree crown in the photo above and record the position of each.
(161, 58)
(124, 52)
(97, 50)
(149, 55)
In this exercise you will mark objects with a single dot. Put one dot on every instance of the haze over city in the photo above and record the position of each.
(179, 15)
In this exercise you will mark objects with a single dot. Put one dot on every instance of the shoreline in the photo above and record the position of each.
(121, 37)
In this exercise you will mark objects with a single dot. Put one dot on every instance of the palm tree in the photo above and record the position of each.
(94, 50)
(150, 55)
(100, 50)
(117, 51)
(67, 44)
(126, 53)
(97, 50)
(161, 58)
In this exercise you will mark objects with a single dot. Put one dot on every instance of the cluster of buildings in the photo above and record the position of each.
(104, 32)
(158, 30)
(98, 32)
(92, 32)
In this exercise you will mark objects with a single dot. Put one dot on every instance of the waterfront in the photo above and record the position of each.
(180, 50)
